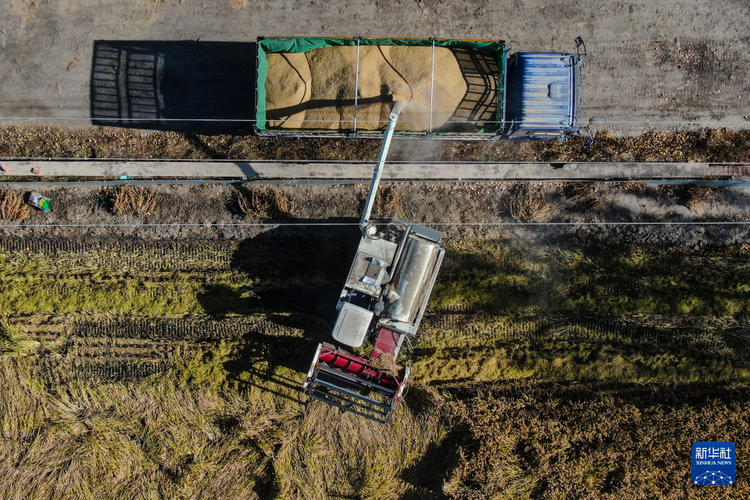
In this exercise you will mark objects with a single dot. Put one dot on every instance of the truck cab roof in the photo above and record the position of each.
(543, 97)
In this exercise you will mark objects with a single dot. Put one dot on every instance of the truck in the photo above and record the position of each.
(381, 305)
(457, 89)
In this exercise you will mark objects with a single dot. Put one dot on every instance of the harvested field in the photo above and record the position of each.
(316, 90)
(173, 358)
(177, 437)
(459, 348)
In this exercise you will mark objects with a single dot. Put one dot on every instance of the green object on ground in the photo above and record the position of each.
(38, 201)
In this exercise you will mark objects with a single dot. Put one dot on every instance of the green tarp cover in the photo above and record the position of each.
(297, 45)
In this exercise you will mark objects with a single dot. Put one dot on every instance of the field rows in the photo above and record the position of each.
(56, 372)
(468, 330)
(85, 244)
(125, 347)
(451, 346)
(164, 255)
(104, 255)
(446, 329)
(182, 329)
(497, 313)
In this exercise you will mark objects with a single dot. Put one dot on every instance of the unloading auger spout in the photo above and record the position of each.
(368, 229)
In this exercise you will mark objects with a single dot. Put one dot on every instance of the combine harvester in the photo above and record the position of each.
(455, 89)
(382, 302)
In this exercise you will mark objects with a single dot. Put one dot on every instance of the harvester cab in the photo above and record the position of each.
(382, 304)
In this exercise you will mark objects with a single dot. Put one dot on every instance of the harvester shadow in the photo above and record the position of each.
(279, 113)
(307, 255)
(296, 273)
(275, 363)
(429, 474)
(173, 85)
(275, 354)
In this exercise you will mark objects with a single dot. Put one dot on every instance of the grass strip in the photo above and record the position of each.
(496, 278)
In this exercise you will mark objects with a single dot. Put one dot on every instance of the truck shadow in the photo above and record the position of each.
(173, 85)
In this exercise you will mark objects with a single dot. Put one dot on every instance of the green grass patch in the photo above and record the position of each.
(15, 343)
(143, 281)
(567, 347)
(581, 361)
(496, 278)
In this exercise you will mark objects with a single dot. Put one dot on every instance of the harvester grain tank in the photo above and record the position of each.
(457, 89)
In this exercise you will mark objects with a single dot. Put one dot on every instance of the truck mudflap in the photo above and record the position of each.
(351, 383)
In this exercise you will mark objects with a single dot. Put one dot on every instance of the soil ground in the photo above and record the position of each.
(232, 211)
(652, 65)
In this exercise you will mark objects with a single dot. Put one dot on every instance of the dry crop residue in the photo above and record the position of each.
(707, 145)
(160, 356)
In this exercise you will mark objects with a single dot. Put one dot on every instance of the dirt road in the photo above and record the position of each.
(652, 65)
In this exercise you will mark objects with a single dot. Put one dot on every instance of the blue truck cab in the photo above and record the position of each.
(544, 95)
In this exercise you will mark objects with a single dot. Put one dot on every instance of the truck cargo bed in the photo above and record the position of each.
(336, 87)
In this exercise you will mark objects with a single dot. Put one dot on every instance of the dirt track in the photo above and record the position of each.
(660, 63)
(221, 212)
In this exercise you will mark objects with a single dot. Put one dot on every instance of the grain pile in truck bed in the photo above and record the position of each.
(290, 88)
(315, 90)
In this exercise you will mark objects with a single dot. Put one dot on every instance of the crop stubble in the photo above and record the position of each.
(461, 420)
(178, 279)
